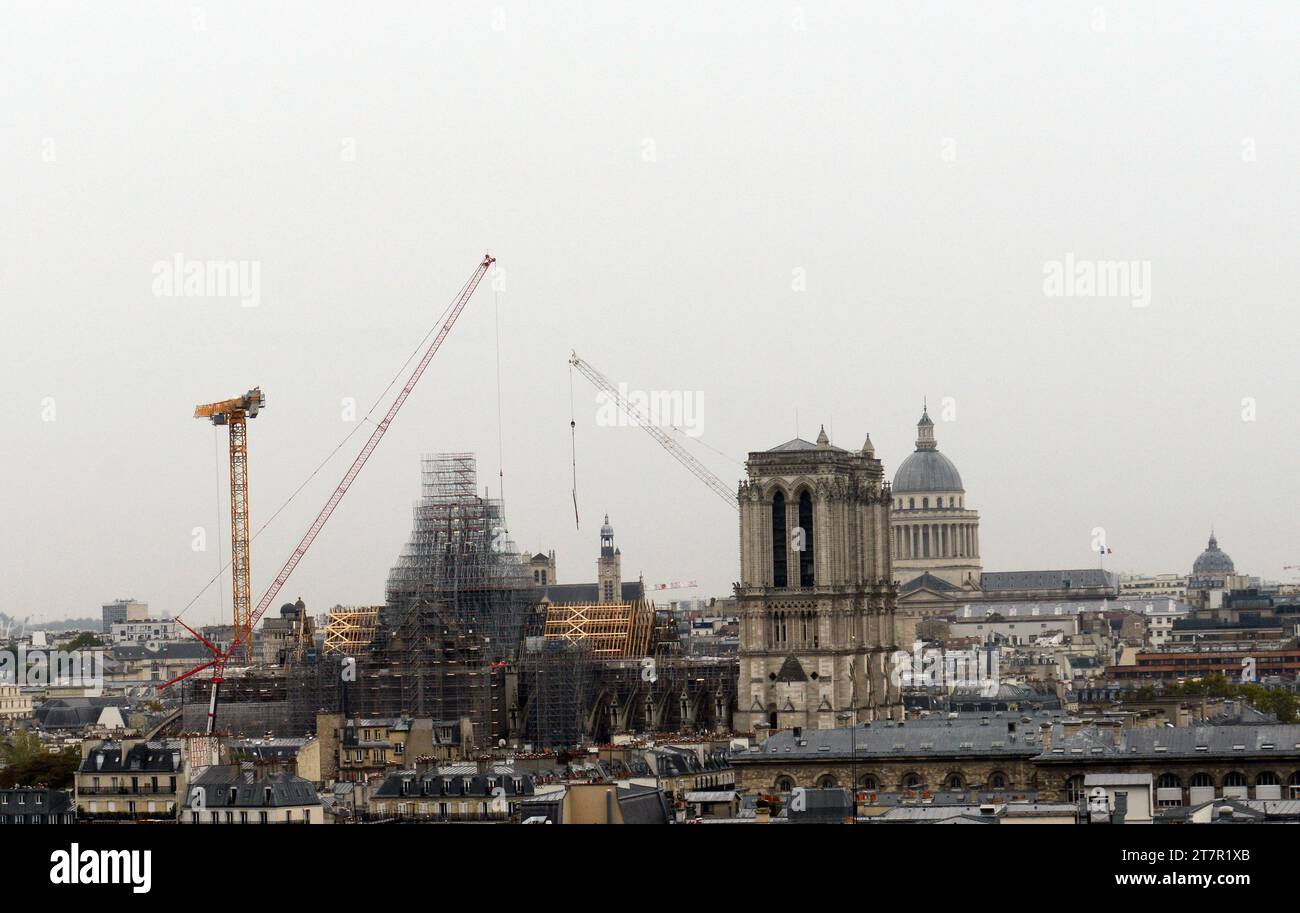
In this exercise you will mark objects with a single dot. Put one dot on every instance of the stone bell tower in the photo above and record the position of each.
(816, 592)
(609, 569)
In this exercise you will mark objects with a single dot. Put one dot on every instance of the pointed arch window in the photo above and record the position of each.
(780, 578)
(806, 576)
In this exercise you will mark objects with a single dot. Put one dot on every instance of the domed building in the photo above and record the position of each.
(1213, 562)
(1213, 575)
(935, 538)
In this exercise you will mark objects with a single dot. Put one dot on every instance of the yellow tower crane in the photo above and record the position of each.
(234, 413)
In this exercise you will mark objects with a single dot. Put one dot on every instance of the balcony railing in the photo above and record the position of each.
(142, 790)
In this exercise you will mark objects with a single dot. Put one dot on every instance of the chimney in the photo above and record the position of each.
(1045, 732)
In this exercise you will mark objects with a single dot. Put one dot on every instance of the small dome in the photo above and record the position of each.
(926, 471)
(1213, 561)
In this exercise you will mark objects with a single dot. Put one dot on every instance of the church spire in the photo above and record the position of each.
(925, 431)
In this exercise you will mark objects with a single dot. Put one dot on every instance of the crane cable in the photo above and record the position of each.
(329, 456)
(501, 464)
(573, 444)
(221, 568)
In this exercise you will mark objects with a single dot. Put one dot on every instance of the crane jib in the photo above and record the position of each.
(354, 470)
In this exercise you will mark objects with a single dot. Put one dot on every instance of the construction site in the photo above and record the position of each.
(467, 633)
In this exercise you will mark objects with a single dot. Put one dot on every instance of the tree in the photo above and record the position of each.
(85, 640)
(27, 762)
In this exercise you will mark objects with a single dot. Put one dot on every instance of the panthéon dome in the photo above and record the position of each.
(926, 470)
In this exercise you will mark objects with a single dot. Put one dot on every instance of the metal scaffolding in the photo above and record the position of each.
(561, 680)
(457, 604)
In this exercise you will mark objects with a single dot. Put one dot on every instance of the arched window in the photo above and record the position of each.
(1267, 785)
(779, 576)
(911, 503)
(997, 780)
(826, 781)
(1294, 784)
(954, 781)
(784, 784)
(1201, 781)
(870, 783)
(913, 782)
(1234, 785)
(1074, 790)
(925, 503)
(806, 524)
(1169, 782)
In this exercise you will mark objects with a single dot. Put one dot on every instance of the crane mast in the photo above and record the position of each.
(234, 414)
(700, 471)
(244, 637)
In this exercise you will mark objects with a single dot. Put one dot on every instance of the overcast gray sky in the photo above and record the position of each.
(812, 207)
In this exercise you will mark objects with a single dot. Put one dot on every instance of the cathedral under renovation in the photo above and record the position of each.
(816, 598)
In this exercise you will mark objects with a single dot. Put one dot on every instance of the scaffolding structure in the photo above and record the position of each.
(561, 681)
(458, 604)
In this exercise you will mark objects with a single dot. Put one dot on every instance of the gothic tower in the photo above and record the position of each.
(609, 569)
(816, 594)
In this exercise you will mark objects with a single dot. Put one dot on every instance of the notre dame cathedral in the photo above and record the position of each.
(816, 592)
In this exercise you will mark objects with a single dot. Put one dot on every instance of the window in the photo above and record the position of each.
(1169, 791)
(806, 524)
(997, 780)
(1074, 790)
(780, 578)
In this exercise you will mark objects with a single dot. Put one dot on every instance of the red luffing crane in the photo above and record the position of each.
(221, 657)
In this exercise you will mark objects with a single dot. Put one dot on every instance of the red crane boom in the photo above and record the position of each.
(220, 658)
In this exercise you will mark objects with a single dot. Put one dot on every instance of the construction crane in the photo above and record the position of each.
(234, 414)
(674, 585)
(221, 657)
(701, 472)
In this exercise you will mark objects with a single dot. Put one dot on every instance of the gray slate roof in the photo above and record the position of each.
(930, 582)
(992, 581)
(1006, 737)
(589, 592)
(1183, 742)
(143, 757)
(227, 786)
